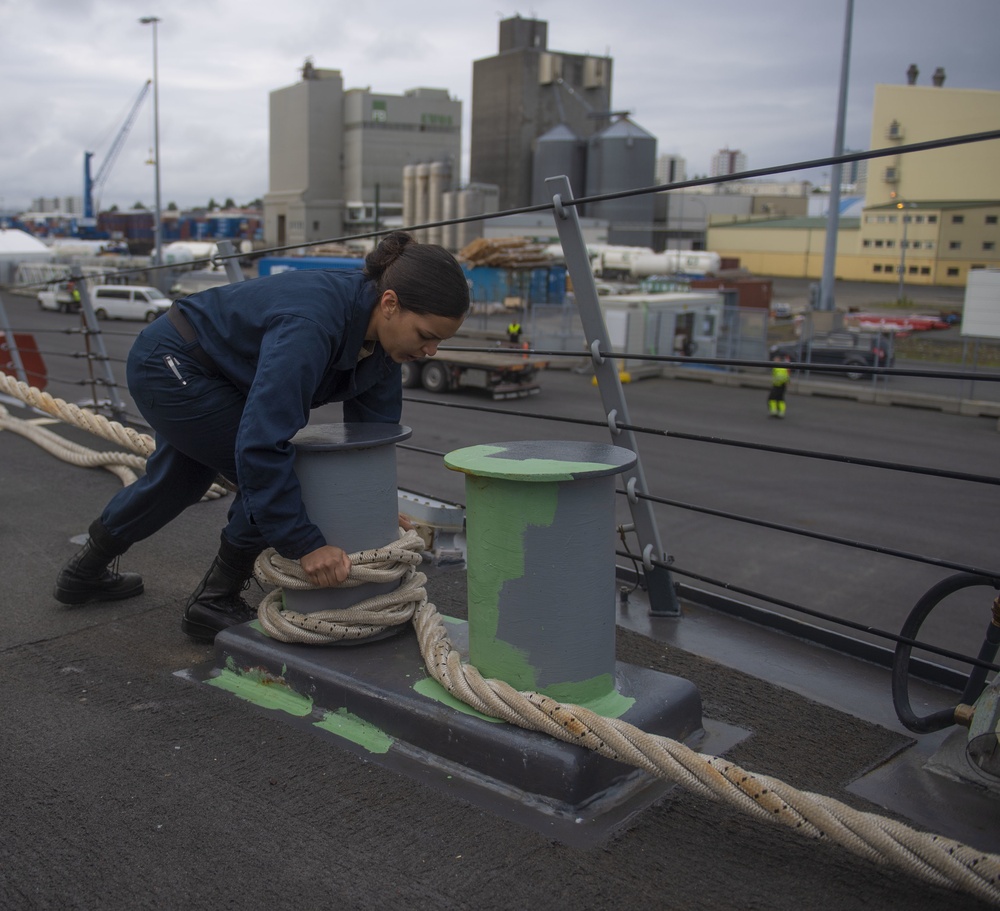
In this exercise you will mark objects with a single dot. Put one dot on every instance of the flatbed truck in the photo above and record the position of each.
(504, 376)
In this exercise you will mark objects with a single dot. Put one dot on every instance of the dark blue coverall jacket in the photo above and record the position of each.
(281, 345)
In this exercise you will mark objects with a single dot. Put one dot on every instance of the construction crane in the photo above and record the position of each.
(93, 185)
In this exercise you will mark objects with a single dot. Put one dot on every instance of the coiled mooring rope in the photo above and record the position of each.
(933, 858)
(371, 617)
(122, 464)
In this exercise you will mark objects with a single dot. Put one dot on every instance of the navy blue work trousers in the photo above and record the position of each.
(196, 418)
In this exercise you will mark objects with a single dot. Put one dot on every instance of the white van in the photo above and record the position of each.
(129, 302)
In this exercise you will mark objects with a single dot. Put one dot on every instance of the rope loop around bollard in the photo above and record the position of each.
(370, 617)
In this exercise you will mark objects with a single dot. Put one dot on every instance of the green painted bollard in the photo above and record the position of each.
(541, 563)
(347, 473)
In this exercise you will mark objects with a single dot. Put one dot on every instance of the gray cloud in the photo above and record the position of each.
(759, 77)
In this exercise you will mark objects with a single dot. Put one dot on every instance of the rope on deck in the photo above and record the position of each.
(933, 858)
(122, 464)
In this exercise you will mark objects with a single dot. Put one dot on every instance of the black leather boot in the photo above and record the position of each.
(88, 576)
(216, 603)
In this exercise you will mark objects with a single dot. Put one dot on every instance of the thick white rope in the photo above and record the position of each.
(371, 617)
(122, 464)
(932, 858)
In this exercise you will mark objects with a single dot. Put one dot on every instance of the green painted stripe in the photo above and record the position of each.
(357, 730)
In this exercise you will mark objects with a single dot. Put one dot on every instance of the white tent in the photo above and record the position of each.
(18, 247)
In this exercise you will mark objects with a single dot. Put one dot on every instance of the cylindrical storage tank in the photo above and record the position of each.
(347, 473)
(646, 264)
(469, 204)
(449, 234)
(410, 194)
(439, 181)
(622, 157)
(558, 152)
(423, 172)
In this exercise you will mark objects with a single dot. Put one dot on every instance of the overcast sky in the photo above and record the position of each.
(759, 76)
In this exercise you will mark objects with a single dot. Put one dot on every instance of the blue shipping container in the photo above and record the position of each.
(541, 285)
(272, 265)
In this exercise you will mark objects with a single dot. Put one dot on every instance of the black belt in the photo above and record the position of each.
(186, 331)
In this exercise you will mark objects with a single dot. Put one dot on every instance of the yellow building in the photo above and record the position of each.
(932, 215)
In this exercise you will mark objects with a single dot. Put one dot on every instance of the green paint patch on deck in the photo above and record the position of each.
(606, 700)
(430, 688)
(262, 690)
(357, 730)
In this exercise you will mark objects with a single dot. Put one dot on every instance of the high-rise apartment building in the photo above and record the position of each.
(523, 92)
(337, 157)
(728, 161)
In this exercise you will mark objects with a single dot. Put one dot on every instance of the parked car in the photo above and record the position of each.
(859, 349)
(58, 297)
(129, 302)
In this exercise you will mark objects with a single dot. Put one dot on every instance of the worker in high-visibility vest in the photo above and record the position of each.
(514, 332)
(779, 384)
(74, 293)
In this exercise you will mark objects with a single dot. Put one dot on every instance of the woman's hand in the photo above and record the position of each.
(326, 566)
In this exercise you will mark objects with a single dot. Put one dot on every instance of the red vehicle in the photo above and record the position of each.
(918, 322)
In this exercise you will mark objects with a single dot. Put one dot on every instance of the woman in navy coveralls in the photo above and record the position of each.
(229, 377)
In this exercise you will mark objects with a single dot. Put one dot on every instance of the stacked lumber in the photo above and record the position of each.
(504, 252)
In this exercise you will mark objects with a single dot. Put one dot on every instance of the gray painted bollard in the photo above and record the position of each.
(347, 473)
(541, 563)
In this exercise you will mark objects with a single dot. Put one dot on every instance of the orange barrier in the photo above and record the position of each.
(31, 359)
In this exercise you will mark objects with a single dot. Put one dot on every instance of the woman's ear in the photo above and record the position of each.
(389, 303)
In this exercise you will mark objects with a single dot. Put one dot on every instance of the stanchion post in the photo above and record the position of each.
(662, 597)
(94, 331)
(234, 271)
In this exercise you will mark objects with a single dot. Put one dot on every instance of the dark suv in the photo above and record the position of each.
(859, 349)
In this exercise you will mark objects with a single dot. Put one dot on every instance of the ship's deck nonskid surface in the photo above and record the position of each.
(127, 786)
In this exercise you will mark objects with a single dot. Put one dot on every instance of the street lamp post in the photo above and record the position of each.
(902, 207)
(157, 227)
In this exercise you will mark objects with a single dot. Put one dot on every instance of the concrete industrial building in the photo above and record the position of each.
(337, 157)
(929, 217)
(670, 169)
(522, 93)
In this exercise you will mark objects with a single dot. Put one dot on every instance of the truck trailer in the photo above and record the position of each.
(504, 376)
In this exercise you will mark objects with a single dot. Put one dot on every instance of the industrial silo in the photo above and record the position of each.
(558, 152)
(622, 157)
(439, 182)
(449, 209)
(410, 194)
(422, 215)
(475, 199)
